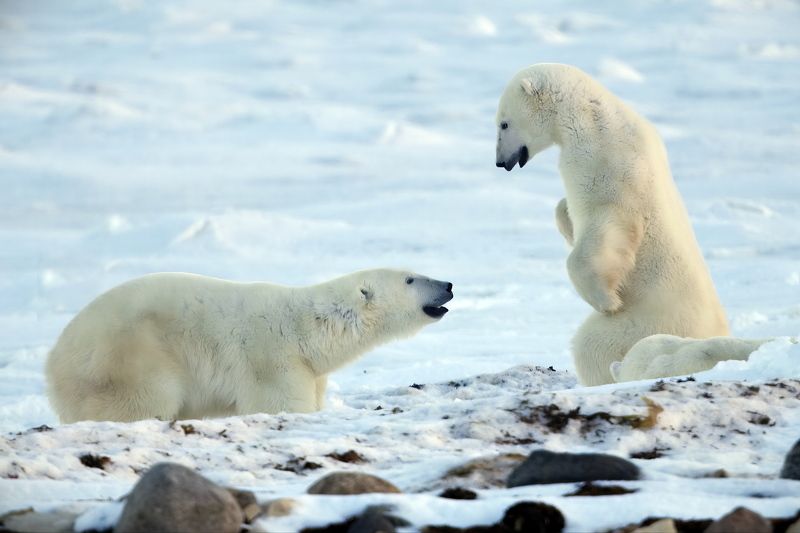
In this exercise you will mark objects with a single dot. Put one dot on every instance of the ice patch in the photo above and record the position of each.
(614, 69)
(52, 278)
(742, 206)
(544, 29)
(481, 26)
(405, 134)
(117, 224)
(771, 51)
(256, 230)
(585, 21)
(745, 320)
(775, 359)
(101, 518)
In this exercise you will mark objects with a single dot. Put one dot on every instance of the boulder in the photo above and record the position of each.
(279, 507)
(543, 466)
(791, 465)
(533, 517)
(740, 520)
(458, 493)
(247, 503)
(372, 520)
(665, 525)
(351, 483)
(171, 497)
(482, 472)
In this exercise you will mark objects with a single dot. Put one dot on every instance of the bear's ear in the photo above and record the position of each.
(615, 369)
(528, 87)
(366, 294)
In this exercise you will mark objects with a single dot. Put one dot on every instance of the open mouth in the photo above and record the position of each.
(435, 312)
(523, 156)
(520, 156)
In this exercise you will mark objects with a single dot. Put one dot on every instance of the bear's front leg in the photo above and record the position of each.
(292, 388)
(603, 257)
(563, 222)
(322, 384)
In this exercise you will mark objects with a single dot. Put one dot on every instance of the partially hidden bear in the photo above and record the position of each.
(634, 257)
(661, 356)
(174, 345)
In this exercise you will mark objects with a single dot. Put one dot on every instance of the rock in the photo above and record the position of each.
(458, 493)
(483, 472)
(665, 525)
(279, 507)
(533, 517)
(791, 465)
(523, 517)
(543, 466)
(351, 483)
(740, 520)
(372, 521)
(590, 489)
(718, 473)
(59, 520)
(247, 503)
(171, 497)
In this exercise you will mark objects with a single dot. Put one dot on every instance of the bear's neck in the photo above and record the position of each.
(331, 334)
(588, 122)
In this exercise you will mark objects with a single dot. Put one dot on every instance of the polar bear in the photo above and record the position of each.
(661, 356)
(174, 345)
(634, 255)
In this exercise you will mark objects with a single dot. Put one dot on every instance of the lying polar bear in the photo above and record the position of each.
(176, 345)
(634, 255)
(661, 356)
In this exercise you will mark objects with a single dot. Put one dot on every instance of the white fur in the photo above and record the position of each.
(635, 258)
(174, 345)
(661, 356)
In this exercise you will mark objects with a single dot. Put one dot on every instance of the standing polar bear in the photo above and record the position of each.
(635, 258)
(176, 345)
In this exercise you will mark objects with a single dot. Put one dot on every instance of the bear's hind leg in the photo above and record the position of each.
(125, 377)
(601, 340)
(159, 397)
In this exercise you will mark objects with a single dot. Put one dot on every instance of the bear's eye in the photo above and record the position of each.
(504, 125)
(366, 294)
(409, 280)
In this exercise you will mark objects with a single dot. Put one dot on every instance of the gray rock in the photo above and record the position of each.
(740, 520)
(247, 503)
(543, 466)
(372, 521)
(791, 465)
(171, 497)
(351, 483)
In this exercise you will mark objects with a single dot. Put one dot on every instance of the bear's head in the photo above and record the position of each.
(383, 304)
(525, 117)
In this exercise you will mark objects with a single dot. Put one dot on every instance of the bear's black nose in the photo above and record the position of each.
(449, 287)
(500, 164)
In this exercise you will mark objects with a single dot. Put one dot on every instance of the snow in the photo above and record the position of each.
(293, 141)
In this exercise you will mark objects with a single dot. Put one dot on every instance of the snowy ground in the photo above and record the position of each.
(295, 141)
